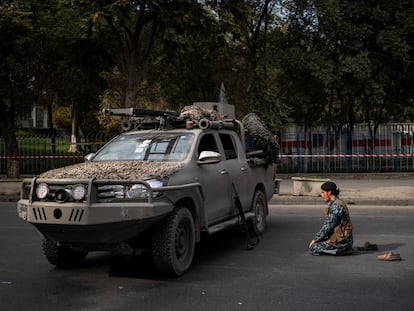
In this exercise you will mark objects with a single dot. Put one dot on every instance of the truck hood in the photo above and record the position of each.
(115, 170)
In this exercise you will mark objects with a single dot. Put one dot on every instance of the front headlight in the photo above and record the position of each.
(78, 192)
(139, 191)
(42, 190)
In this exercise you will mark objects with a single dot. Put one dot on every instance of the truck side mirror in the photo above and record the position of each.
(209, 157)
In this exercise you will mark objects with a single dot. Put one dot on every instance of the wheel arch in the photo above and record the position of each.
(260, 187)
(191, 205)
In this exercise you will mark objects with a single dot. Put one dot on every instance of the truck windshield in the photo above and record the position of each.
(147, 147)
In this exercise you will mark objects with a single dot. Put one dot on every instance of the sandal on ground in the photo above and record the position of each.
(389, 256)
(368, 247)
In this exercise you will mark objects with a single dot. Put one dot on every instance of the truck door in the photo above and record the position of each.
(237, 168)
(214, 179)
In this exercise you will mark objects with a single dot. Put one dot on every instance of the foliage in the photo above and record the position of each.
(16, 80)
(357, 53)
(307, 62)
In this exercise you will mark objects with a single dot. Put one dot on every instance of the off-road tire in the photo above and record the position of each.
(62, 256)
(174, 242)
(257, 225)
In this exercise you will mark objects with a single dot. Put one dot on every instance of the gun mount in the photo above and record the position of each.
(190, 117)
(146, 118)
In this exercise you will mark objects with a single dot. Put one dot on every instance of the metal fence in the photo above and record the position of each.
(315, 150)
(389, 148)
(39, 153)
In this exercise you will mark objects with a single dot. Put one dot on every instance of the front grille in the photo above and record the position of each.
(53, 214)
(76, 215)
(39, 214)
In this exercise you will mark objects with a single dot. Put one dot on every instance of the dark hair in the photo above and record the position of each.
(330, 186)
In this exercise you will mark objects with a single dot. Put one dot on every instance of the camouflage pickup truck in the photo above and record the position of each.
(156, 189)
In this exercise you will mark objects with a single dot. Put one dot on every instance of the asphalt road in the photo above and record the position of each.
(278, 274)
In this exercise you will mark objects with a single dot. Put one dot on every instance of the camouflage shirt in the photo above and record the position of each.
(335, 214)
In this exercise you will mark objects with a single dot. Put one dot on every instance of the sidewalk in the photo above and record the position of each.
(361, 189)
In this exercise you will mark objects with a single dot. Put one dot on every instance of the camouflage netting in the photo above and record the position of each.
(260, 138)
(196, 113)
(115, 170)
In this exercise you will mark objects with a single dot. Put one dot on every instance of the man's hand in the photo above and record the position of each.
(311, 243)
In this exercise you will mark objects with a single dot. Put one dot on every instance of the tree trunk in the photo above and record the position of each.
(12, 150)
(135, 58)
(50, 126)
(73, 137)
(132, 78)
(131, 89)
(8, 130)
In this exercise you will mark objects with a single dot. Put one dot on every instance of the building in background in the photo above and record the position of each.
(36, 118)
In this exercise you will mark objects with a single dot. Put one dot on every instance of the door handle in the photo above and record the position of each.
(224, 172)
(243, 169)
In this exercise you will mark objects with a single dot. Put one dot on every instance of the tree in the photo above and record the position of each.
(191, 64)
(348, 59)
(71, 59)
(226, 43)
(371, 47)
(134, 27)
(16, 57)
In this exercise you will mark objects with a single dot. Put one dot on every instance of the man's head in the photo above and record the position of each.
(329, 190)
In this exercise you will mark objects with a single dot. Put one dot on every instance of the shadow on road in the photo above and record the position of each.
(212, 248)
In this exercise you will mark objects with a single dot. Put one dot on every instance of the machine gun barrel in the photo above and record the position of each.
(137, 112)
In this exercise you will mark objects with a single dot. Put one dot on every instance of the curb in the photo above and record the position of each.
(287, 199)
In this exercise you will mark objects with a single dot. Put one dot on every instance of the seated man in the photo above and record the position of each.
(335, 235)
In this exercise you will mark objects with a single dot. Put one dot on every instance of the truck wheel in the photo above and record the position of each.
(62, 256)
(174, 242)
(259, 208)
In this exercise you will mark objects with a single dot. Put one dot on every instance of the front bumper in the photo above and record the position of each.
(98, 223)
(97, 220)
(82, 214)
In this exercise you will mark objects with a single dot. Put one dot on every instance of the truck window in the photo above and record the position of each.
(207, 143)
(147, 147)
(228, 146)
